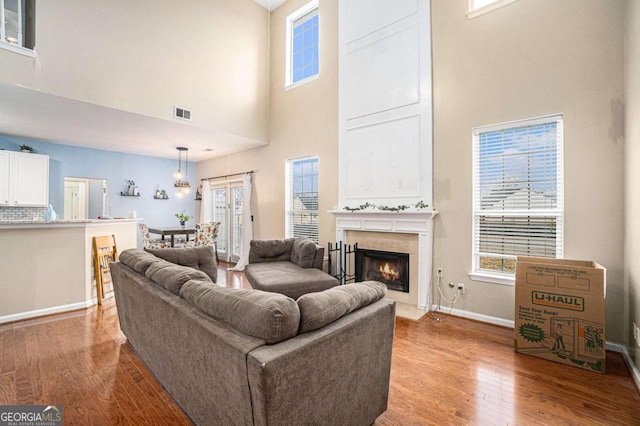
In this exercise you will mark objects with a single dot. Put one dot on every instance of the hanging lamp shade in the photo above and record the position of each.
(181, 182)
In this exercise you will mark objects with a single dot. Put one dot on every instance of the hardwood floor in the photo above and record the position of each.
(448, 372)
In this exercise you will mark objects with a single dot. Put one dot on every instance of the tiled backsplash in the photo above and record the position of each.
(22, 213)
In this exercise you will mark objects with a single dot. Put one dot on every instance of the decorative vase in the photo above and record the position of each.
(182, 223)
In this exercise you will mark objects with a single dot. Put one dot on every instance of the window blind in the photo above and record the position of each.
(518, 193)
(302, 198)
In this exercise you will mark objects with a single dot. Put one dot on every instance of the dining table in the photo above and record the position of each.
(172, 231)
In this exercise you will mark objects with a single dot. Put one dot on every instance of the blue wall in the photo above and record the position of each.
(148, 173)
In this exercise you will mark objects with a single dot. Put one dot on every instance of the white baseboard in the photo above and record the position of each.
(474, 316)
(52, 310)
(615, 347)
(635, 373)
(47, 311)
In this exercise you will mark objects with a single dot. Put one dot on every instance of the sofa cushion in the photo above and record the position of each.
(138, 260)
(288, 278)
(303, 252)
(270, 250)
(271, 317)
(320, 309)
(201, 258)
(172, 277)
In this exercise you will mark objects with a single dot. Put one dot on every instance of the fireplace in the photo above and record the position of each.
(388, 267)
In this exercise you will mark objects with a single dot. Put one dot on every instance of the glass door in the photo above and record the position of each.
(237, 195)
(227, 209)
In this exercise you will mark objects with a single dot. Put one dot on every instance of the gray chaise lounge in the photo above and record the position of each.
(292, 267)
(247, 357)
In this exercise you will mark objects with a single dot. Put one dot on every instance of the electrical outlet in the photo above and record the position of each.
(461, 287)
(439, 272)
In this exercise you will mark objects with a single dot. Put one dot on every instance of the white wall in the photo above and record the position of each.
(632, 172)
(303, 122)
(529, 59)
(146, 56)
(385, 103)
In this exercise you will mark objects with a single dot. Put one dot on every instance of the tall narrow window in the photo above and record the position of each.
(17, 23)
(302, 44)
(517, 195)
(302, 198)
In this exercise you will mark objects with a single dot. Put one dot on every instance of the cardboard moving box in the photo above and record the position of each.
(560, 311)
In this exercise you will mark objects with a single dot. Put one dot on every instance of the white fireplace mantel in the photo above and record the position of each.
(418, 222)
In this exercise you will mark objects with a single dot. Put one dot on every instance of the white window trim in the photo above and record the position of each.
(17, 49)
(493, 278)
(508, 278)
(288, 84)
(288, 189)
(474, 13)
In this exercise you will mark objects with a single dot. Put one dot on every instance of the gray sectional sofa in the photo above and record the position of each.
(292, 267)
(247, 357)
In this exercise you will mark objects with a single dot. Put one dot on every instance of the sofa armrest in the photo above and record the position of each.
(347, 362)
(318, 261)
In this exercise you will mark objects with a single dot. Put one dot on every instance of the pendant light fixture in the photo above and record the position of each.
(181, 180)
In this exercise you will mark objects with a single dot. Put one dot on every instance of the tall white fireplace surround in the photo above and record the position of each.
(416, 223)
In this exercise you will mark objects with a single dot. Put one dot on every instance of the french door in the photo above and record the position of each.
(227, 209)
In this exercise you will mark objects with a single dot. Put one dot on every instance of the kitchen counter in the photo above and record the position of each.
(17, 224)
(47, 267)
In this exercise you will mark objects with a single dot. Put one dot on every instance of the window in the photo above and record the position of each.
(302, 198)
(302, 44)
(17, 25)
(517, 195)
(480, 7)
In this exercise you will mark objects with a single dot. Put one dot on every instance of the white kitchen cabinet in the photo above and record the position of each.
(24, 179)
(4, 178)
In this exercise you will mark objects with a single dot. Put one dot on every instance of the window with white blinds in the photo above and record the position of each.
(302, 198)
(517, 193)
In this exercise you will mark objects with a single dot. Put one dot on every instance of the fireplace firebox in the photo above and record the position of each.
(387, 267)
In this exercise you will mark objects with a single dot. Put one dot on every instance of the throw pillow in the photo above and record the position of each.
(303, 252)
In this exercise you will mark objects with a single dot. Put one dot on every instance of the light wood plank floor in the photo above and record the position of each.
(448, 372)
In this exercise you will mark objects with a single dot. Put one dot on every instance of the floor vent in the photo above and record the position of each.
(183, 114)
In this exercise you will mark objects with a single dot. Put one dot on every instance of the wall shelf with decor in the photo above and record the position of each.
(160, 194)
(124, 194)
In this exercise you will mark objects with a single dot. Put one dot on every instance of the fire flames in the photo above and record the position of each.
(388, 272)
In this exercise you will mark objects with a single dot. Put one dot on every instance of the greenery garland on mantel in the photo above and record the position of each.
(419, 205)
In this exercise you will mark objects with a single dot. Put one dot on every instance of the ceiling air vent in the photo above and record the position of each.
(181, 113)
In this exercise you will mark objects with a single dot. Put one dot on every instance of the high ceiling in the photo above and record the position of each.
(33, 114)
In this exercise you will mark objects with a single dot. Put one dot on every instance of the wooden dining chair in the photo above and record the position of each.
(104, 252)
